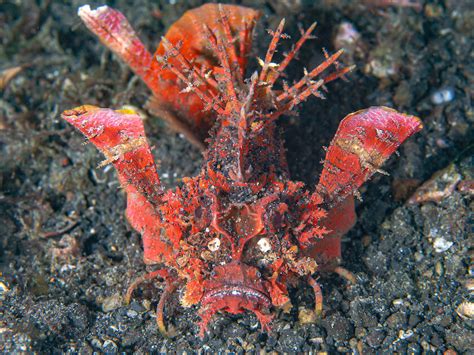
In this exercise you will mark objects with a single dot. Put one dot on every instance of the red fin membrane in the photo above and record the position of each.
(190, 35)
(117, 34)
(187, 41)
(121, 138)
(339, 221)
(363, 142)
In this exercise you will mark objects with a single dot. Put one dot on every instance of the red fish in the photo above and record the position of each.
(235, 235)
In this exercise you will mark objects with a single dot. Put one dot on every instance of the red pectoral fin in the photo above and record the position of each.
(117, 34)
(363, 142)
(190, 34)
(339, 220)
(181, 108)
(121, 137)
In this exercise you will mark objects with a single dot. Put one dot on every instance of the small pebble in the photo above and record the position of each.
(396, 320)
(146, 304)
(414, 348)
(346, 37)
(439, 268)
(397, 302)
(366, 240)
(338, 327)
(292, 341)
(135, 306)
(112, 302)
(109, 346)
(375, 338)
(466, 310)
(3, 288)
(413, 320)
(441, 245)
(307, 316)
(402, 334)
(442, 96)
(96, 343)
(131, 313)
(419, 257)
(469, 284)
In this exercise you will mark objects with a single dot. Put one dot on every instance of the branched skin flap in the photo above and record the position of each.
(234, 236)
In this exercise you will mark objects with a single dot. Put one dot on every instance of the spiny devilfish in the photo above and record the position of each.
(233, 237)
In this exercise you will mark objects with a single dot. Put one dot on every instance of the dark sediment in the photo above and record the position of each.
(412, 261)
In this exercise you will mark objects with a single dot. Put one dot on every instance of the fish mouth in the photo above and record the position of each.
(249, 294)
(235, 299)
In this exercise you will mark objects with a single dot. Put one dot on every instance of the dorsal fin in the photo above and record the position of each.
(191, 35)
(187, 39)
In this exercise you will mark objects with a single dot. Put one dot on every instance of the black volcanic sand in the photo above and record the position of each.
(412, 261)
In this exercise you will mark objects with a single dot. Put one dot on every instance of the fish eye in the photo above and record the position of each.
(214, 244)
(264, 245)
